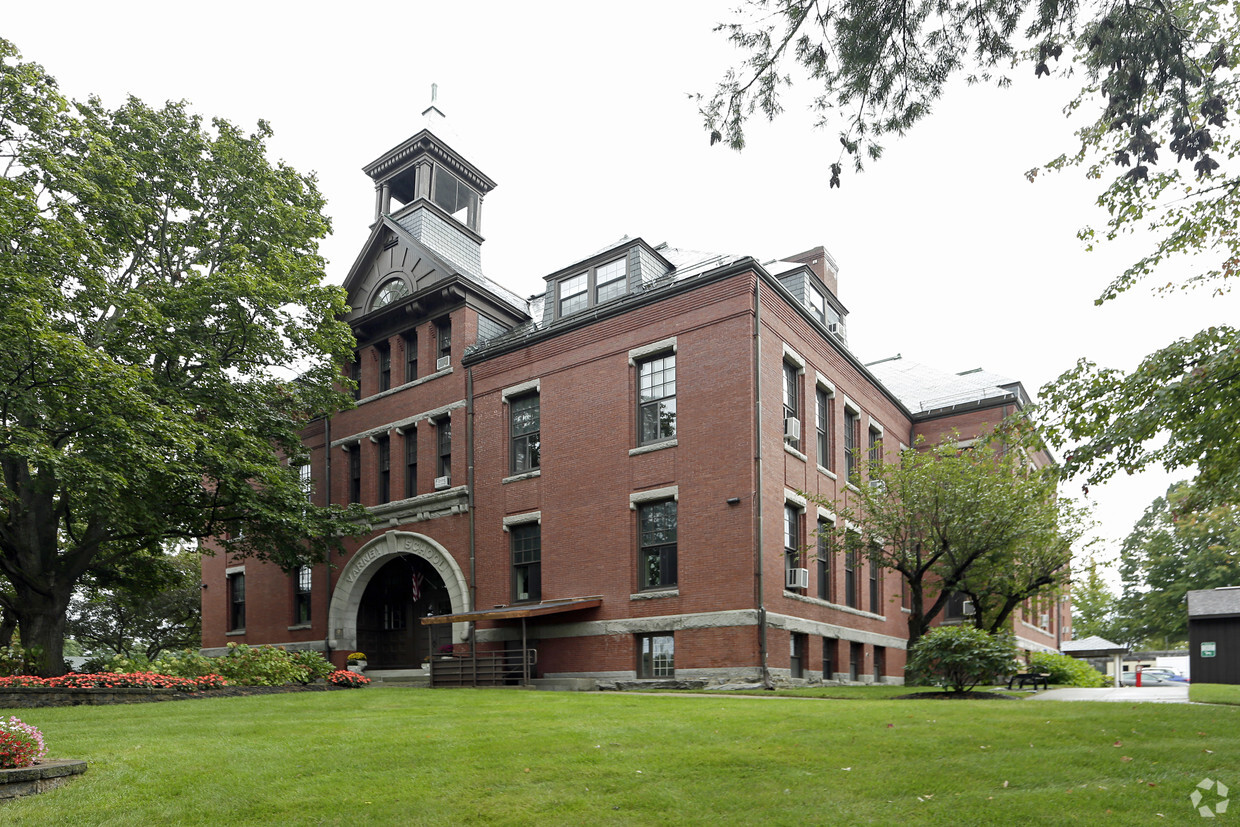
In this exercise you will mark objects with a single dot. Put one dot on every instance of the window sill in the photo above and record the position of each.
(235, 632)
(655, 594)
(528, 475)
(299, 627)
(852, 487)
(826, 472)
(817, 601)
(795, 453)
(420, 380)
(657, 446)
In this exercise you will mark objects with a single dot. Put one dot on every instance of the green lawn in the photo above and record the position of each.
(408, 756)
(1214, 693)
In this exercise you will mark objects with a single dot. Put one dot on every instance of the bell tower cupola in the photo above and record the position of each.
(433, 192)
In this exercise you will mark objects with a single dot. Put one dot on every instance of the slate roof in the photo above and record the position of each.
(687, 264)
(923, 388)
(1214, 602)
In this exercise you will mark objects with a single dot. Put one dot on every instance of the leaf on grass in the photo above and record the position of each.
(1117, 744)
(1125, 758)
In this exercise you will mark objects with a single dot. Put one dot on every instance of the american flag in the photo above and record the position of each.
(417, 586)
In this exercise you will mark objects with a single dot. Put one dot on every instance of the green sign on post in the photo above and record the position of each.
(1207, 648)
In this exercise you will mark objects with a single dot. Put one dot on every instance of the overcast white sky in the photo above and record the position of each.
(580, 112)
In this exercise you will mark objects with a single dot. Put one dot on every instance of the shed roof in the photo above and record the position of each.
(1091, 647)
(1214, 602)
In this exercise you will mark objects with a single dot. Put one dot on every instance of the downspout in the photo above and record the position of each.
(469, 481)
(757, 500)
(327, 485)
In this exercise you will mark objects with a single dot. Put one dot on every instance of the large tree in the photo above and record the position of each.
(1158, 106)
(162, 288)
(950, 519)
(149, 605)
(1172, 550)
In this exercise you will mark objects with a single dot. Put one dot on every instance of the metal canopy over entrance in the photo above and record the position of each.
(504, 667)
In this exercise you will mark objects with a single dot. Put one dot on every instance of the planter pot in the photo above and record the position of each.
(357, 666)
(426, 667)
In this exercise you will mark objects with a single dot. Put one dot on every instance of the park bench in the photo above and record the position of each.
(1024, 679)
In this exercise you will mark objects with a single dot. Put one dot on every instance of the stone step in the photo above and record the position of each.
(398, 677)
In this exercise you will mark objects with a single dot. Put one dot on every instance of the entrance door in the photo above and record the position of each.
(400, 593)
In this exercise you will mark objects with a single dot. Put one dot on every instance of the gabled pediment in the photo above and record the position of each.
(391, 253)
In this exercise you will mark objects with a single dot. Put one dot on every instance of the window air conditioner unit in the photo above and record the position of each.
(442, 482)
(967, 608)
(443, 362)
(792, 428)
(879, 484)
(798, 578)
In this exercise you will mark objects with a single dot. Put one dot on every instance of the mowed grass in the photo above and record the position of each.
(409, 756)
(1214, 693)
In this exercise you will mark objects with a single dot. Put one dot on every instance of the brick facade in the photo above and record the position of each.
(727, 473)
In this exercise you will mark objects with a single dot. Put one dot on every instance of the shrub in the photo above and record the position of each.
(258, 666)
(12, 660)
(117, 663)
(312, 664)
(1067, 670)
(21, 744)
(961, 657)
(347, 679)
(185, 664)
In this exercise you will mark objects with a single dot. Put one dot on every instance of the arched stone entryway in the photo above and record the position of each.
(390, 559)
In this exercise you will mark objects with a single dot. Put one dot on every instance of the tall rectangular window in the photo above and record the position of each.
(411, 356)
(301, 596)
(656, 412)
(355, 376)
(656, 656)
(823, 422)
(355, 473)
(852, 571)
(657, 527)
(792, 544)
(824, 560)
(792, 405)
(443, 330)
(385, 468)
(876, 447)
(856, 660)
(411, 462)
(443, 439)
(852, 427)
(875, 588)
(385, 366)
(829, 661)
(524, 425)
(880, 663)
(236, 602)
(306, 481)
(526, 562)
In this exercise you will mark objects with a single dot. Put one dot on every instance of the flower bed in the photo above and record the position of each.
(347, 679)
(110, 680)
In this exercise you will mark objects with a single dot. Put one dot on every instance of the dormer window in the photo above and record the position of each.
(573, 295)
(818, 304)
(594, 286)
(388, 292)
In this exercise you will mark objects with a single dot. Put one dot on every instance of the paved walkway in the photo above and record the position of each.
(1123, 694)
